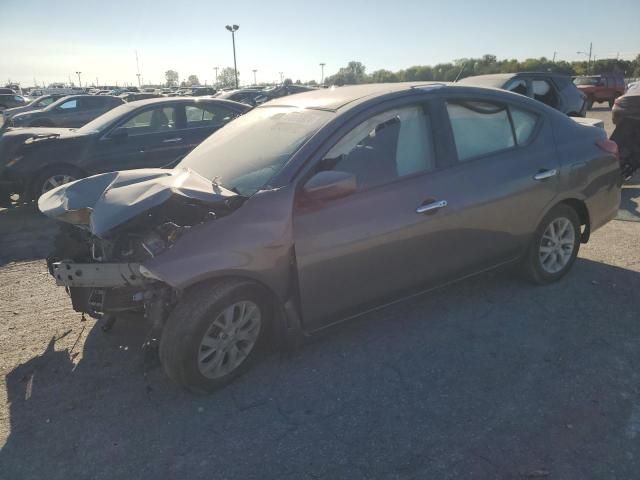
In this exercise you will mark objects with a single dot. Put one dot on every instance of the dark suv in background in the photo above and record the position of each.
(555, 90)
(601, 88)
(72, 111)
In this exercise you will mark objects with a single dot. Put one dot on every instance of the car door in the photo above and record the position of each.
(139, 140)
(506, 175)
(448, 216)
(354, 250)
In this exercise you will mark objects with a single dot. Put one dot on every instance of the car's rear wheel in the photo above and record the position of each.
(589, 103)
(554, 246)
(214, 334)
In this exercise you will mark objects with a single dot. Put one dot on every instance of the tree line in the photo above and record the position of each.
(355, 72)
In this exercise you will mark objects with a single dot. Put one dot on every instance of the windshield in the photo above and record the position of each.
(245, 154)
(103, 121)
(586, 80)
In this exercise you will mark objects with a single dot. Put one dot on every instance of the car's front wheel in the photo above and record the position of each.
(53, 177)
(214, 334)
(554, 246)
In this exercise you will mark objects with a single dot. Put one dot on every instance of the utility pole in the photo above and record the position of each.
(79, 81)
(138, 70)
(255, 82)
(554, 57)
(322, 73)
(281, 77)
(589, 55)
(216, 69)
(233, 29)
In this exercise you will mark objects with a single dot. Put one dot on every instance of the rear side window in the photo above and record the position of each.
(203, 115)
(69, 105)
(94, 102)
(480, 128)
(524, 124)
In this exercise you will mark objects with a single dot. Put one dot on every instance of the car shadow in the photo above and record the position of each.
(25, 234)
(488, 378)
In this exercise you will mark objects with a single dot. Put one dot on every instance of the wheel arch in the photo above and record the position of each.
(580, 207)
(280, 309)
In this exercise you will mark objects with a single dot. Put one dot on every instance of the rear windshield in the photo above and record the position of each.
(247, 153)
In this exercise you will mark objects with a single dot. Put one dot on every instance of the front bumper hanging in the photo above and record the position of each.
(97, 275)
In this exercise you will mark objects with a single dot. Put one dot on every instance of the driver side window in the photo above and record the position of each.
(385, 147)
(154, 120)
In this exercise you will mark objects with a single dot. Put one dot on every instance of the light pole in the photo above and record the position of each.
(233, 29)
(255, 82)
(216, 69)
(79, 81)
(322, 73)
(139, 84)
(589, 55)
(281, 77)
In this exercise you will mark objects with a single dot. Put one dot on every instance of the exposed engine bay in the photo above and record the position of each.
(99, 253)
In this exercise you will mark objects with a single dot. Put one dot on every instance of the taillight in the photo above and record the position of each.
(608, 146)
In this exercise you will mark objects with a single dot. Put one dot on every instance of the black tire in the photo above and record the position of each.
(191, 319)
(532, 267)
(611, 102)
(589, 103)
(37, 185)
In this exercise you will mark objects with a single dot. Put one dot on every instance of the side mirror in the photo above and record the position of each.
(329, 185)
(119, 133)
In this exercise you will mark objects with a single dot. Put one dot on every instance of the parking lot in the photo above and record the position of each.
(489, 378)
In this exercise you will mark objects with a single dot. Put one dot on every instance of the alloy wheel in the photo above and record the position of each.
(557, 245)
(230, 339)
(55, 181)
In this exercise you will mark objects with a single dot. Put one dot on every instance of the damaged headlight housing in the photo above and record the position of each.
(161, 238)
(154, 244)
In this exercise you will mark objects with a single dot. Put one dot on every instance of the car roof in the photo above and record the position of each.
(152, 101)
(335, 98)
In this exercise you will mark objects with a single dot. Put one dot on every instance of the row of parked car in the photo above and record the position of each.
(64, 137)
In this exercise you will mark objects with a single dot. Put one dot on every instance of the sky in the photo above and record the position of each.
(48, 41)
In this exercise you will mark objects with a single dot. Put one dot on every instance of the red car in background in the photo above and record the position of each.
(601, 88)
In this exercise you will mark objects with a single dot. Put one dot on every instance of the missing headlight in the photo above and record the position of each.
(154, 244)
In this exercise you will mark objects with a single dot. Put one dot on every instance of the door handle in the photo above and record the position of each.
(546, 174)
(172, 140)
(430, 207)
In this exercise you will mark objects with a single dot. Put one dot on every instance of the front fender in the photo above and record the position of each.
(255, 241)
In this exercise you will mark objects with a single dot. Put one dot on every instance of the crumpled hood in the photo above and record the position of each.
(116, 197)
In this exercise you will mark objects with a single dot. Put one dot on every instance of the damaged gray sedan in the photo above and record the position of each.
(318, 207)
